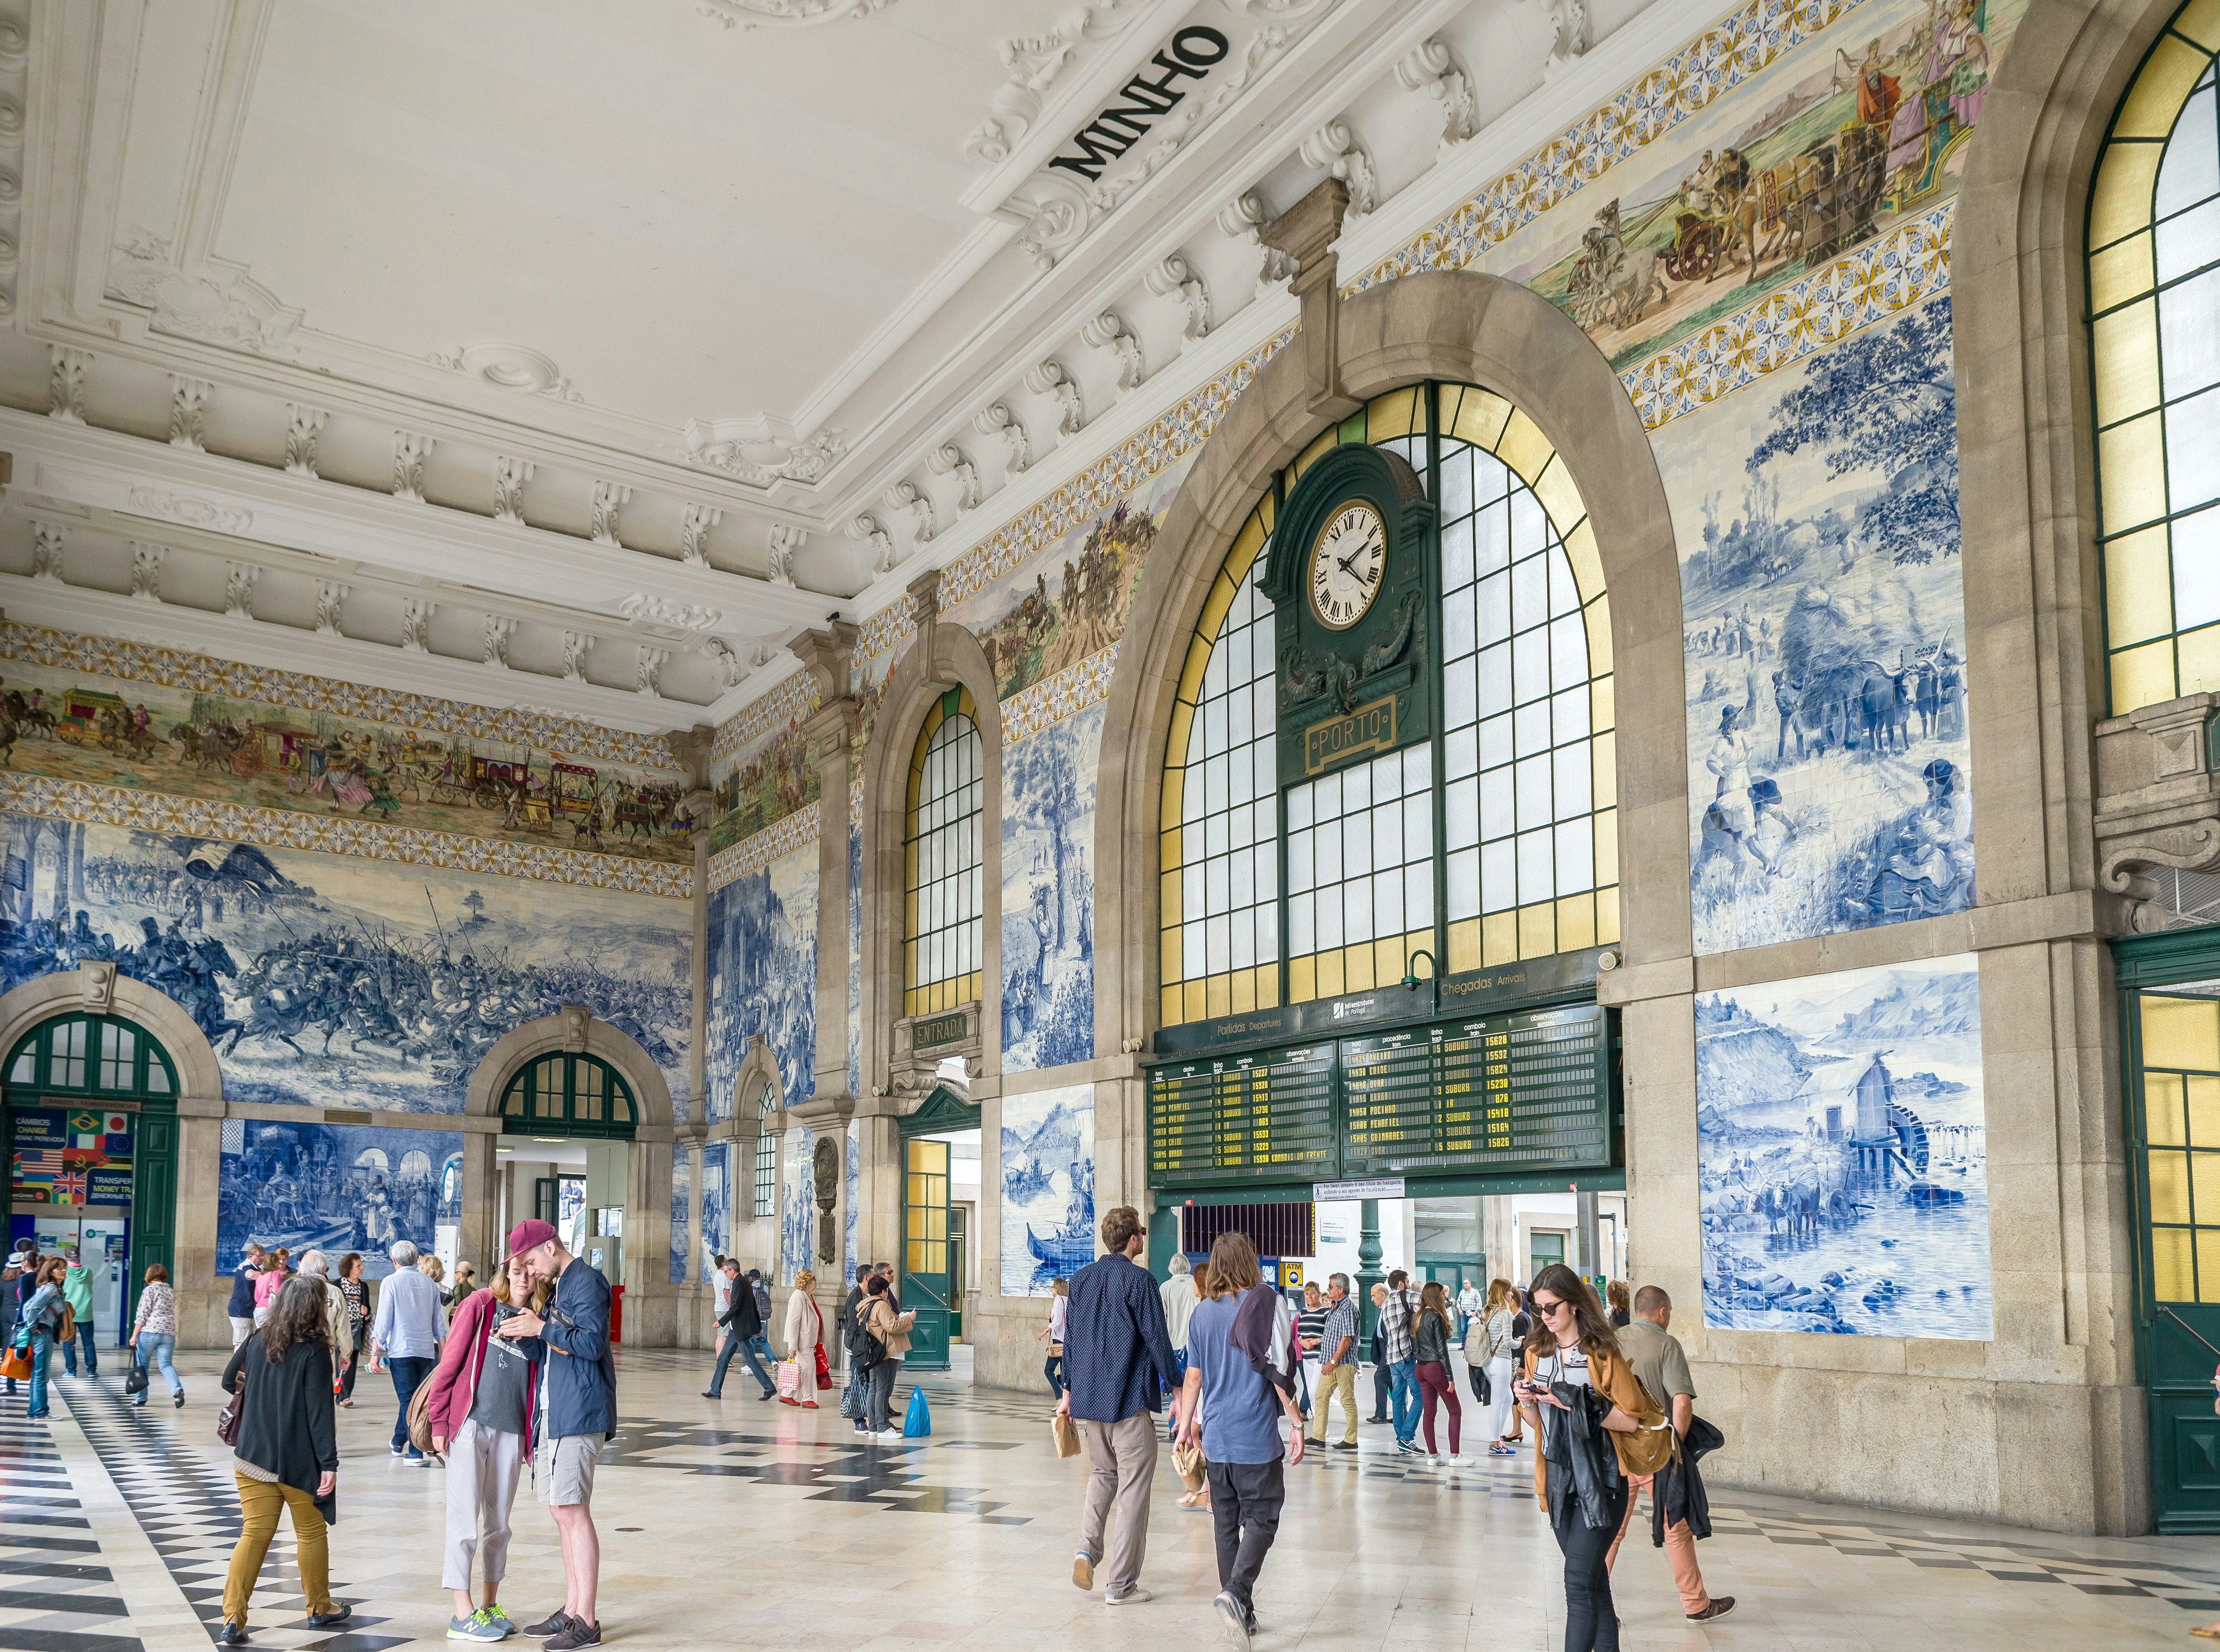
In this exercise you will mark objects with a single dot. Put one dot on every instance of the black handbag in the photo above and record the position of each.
(1481, 1389)
(135, 1380)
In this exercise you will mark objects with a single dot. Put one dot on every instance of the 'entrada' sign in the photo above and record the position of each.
(1194, 51)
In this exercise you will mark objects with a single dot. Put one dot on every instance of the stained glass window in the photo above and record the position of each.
(2154, 348)
(1497, 841)
(942, 911)
(2180, 1039)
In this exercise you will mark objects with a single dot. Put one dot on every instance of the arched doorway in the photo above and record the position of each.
(91, 1131)
(571, 1117)
(936, 1139)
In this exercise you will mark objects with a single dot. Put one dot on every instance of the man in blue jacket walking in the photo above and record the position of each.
(579, 1394)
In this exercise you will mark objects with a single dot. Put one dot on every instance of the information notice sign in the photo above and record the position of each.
(1480, 1096)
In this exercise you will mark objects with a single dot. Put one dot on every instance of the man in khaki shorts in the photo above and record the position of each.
(578, 1400)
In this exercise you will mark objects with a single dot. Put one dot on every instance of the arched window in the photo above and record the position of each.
(767, 1155)
(942, 908)
(2155, 349)
(567, 1095)
(1496, 840)
(91, 1055)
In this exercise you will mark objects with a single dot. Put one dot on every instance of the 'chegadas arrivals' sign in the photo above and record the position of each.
(1145, 99)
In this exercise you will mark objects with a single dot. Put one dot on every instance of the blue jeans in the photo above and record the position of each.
(742, 1345)
(1403, 1383)
(1179, 1381)
(408, 1371)
(84, 1329)
(760, 1345)
(154, 1349)
(43, 1347)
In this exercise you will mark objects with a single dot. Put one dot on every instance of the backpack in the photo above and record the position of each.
(864, 1349)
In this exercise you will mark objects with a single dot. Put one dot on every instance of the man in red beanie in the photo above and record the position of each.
(579, 1394)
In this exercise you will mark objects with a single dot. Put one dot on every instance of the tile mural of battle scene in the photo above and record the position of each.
(333, 981)
(763, 977)
(773, 781)
(1048, 894)
(335, 1188)
(1843, 1142)
(1833, 147)
(1824, 637)
(1047, 1187)
(187, 743)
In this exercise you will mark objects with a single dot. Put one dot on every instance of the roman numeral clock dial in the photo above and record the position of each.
(1349, 561)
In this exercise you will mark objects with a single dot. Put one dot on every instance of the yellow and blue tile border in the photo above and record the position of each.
(136, 810)
(781, 838)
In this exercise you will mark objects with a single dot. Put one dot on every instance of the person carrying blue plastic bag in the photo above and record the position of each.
(918, 1421)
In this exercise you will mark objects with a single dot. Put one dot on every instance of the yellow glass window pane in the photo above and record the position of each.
(1244, 991)
(1268, 986)
(1396, 414)
(2197, 655)
(1480, 418)
(2123, 353)
(2205, 1188)
(1193, 1001)
(1222, 593)
(1603, 764)
(1603, 704)
(2168, 1174)
(1356, 974)
(2200, 21)
(2162, 1110)
(1464, 945)
(1597, 617)
(1246, 545)
(1332, 981)
(1171, 1009)
(1524, 448)
(2162, 87)
(2130, 462)
(1302, 980)
(1168, 962)
(2141, 677)
(2172, 1278)
(916, 1194)
(1498, 937)
(914, 1262)
(2208, 1264)
(1575, 922)
(1607, 848)
(2204, 1116)
(2121, 271)
(1606, 917)
(1217, 995)
(1560, 497)
(2183, 1033)
(1387, 960)
(1538, 930)
(1174, 792)
(1198, 660)
(2138, 588)
(1587, 566)
(2122, 201)
(1325, 444)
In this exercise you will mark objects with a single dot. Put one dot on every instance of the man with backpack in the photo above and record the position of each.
(852, 1395)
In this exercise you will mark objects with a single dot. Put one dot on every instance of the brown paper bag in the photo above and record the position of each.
(1067, 1435)
(1188, 1459)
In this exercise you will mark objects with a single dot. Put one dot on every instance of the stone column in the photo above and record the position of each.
(651, 1300)
(479, 1237)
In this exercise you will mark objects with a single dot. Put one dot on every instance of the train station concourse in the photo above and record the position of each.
(1546, 648)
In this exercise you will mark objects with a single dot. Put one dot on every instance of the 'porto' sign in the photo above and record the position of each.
(1192, 53)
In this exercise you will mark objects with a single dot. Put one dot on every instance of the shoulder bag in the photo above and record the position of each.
(227, 1420)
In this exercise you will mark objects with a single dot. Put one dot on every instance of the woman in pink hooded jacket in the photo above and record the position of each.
(481, 1410)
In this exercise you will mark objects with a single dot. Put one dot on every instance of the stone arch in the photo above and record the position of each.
(99, 988)
(1453, 325)
(943, 655)
(651, 1300)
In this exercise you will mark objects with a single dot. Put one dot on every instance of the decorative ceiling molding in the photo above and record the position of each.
(654, 615)
(215, 302)
(1034, 62)
(508, 367)
(760, 451)
(785, 14)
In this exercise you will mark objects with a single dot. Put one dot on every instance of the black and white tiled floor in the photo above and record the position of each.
(55, 1593)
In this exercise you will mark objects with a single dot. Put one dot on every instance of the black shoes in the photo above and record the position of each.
(232, 1634)
(552, 1624)
(576, 1634)
(1720, 1606)
(338, 1614)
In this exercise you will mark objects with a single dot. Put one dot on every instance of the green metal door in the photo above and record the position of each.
(926, 1283)
(2174, 1099)
(154, 1199)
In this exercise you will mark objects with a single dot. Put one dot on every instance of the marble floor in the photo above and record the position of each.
(738, 1522)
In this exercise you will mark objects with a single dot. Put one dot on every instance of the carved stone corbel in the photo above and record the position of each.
(2158, 800)
(1306, 233)
(576, 1017)
(99, 982)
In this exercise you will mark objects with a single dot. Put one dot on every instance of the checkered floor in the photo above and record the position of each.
(55, 1595)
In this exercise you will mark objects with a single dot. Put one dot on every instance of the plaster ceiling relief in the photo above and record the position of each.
(216, 303)
(508, 367)
(786, 14)
(760, 451)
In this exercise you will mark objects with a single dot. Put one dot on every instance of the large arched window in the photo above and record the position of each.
(942, 908)
(766, 1199)
(567, 1095)
(1494, 841)
(2154, 334)
(90, 1055)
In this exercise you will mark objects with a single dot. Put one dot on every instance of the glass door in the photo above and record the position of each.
(2173, 1049)
(927, 1284)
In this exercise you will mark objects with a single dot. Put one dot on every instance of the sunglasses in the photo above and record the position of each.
(1548, 1309)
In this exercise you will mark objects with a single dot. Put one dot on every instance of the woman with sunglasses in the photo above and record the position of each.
(1572, 1345)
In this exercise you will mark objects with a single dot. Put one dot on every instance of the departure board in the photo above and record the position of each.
(1267, 1116)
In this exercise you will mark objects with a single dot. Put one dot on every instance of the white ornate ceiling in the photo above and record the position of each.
(609, 343)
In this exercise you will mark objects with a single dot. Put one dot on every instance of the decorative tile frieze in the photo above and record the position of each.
(139, 810)
(793, 699)
(133, 662)
(1052, 699)
(796, 831)
(1909, 264)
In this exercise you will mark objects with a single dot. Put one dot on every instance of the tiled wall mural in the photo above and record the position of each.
(1825, 639)
(1843, 1171)
(1047, 1187)
(333, 982)
(797, 1203)
(853, 1183)
(716, 1205)
(1048, 895)
(763, 976)
(335, 1188)
(681, 1207)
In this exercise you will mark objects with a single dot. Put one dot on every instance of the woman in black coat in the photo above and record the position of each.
(288, 1452)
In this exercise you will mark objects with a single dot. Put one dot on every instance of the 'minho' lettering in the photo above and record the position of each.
(1194, 52)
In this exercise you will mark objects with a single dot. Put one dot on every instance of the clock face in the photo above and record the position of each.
(1349, 561)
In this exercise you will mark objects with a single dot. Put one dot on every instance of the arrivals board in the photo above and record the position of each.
(1482, 1096)
(1268, 1115)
